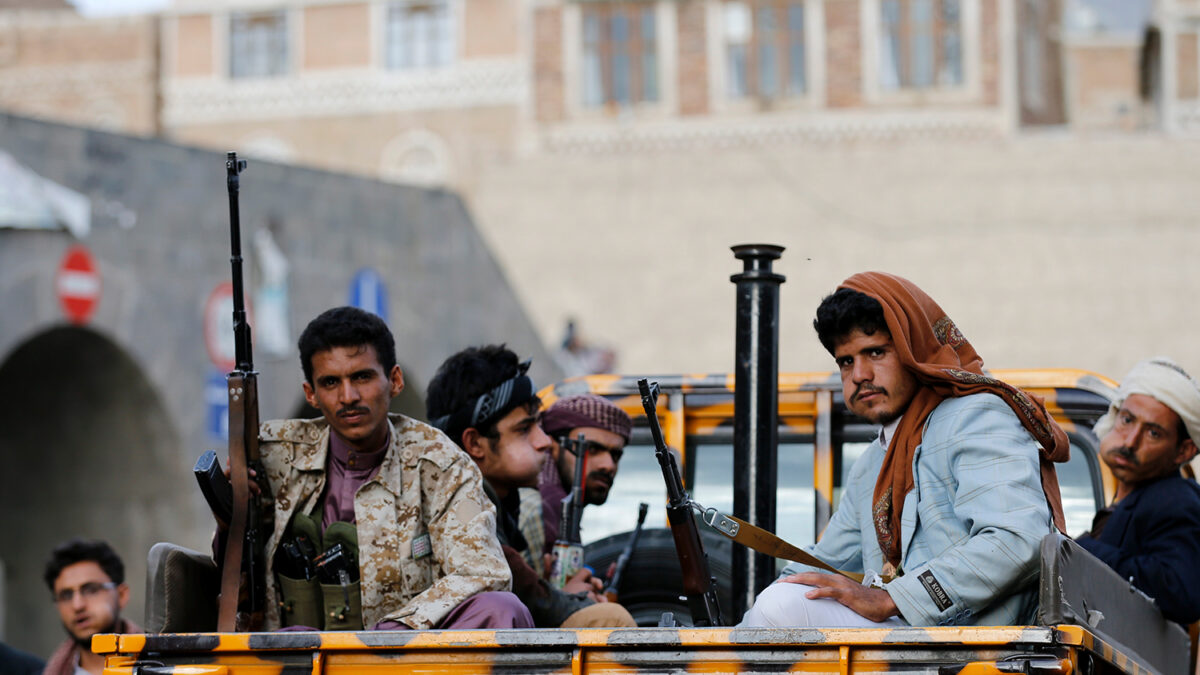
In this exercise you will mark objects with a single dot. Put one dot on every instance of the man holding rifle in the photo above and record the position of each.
(379, 521)
(605, 429)
(482, 398)
(945, 511)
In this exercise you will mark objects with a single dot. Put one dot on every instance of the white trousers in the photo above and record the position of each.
(783, 605)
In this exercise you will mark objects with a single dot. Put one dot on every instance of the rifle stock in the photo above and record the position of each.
(698, 583)
(243, 571)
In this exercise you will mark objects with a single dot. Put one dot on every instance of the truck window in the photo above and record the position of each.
(712, 485)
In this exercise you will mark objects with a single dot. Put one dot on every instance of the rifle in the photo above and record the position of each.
(568, 548)
(614, 582)
(243, 570)
(698, 582)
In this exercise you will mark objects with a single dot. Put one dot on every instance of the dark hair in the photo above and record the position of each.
(77, 551)
(346, 327)
(466, 375)
(844, 311)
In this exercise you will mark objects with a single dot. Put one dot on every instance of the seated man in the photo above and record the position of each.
(87, 582)
(606, 429)
(482, 398)
(952, 500)
(1151, 533)
(407, 507)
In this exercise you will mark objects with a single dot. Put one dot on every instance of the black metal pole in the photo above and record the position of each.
(755, 413)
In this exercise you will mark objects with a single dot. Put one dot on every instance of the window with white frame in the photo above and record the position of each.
(419, 34)
(620, 54)
(258, 44)
(920, 44)
(764, 48)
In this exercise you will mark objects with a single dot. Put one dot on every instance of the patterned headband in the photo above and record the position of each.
(488, 406)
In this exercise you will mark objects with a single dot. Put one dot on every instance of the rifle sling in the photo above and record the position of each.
(762, 541)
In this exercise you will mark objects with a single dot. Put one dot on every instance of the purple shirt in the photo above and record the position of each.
(347, 470)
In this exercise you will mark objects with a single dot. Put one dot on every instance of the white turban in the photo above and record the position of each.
(1163, 380)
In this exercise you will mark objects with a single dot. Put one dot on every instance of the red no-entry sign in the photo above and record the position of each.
(77, 285)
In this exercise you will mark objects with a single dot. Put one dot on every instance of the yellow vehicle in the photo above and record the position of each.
(818, 440)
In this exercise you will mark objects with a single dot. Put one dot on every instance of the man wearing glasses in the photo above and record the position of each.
(606, 429)
(87, 580)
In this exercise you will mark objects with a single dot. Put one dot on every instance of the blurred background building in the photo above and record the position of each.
(504, 166)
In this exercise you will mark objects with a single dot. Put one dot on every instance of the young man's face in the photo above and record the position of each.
(516, 458)
(875, 385)
(604, 449)
(88, 601)
(352, 391)
(1144, 442)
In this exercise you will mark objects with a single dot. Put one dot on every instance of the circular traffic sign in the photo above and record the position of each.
(77, 285)
(218, 326)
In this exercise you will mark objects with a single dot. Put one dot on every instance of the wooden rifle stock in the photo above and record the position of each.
(698, 583)
(243, 571)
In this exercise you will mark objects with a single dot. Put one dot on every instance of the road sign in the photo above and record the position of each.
(216, 400)
(368, 293)
(218, 326)
(77, 285)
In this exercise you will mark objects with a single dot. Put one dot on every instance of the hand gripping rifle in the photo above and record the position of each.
(698, 582)
(243, 571)
(568, 548)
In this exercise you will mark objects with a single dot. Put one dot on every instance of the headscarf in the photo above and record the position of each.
(931, 347)
(586, 410)
(489, 406)
(1163, 380)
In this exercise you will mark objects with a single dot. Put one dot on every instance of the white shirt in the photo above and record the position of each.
(888, 430)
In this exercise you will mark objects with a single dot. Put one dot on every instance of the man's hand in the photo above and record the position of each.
(871, 603)
(584, 581)
(255, 490)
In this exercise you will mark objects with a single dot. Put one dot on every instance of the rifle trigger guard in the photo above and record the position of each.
(719, 522)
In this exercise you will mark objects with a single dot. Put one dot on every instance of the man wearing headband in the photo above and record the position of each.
(482, 398)
(944, 512)
(1151, 533)
(416, 531)
(606, 429)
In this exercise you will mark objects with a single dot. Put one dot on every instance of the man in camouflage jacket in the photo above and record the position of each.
(423, 529)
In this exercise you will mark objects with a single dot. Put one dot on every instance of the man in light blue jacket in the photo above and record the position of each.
(944, 512)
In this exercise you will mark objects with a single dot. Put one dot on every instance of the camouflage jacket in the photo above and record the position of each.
(426, 485)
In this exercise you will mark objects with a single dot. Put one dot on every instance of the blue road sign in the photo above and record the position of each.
(368, 293)
(216, 399)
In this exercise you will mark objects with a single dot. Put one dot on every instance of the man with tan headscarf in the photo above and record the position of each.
(944, 512)
(1151, 533)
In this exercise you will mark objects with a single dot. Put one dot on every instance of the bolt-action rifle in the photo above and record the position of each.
(698, 583)
(243, 570)
(568, 548)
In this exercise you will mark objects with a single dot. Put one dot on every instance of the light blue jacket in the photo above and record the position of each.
(970, 528)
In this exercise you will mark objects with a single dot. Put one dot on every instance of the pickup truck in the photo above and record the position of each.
(1090, 621)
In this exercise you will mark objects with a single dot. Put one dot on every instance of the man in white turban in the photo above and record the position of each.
(1151, 532)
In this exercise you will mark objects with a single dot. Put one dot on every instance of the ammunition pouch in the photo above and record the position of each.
(321, 591)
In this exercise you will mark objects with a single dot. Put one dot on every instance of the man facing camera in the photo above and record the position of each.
(946, 509)
(1151, 532)
(87, 583)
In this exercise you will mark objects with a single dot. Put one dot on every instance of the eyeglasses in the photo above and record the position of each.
(593, 448)
(86, 591)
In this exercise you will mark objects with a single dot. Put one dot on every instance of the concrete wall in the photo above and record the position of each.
(102, 422)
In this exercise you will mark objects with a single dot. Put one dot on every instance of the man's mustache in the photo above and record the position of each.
(601, 475)
(352, 410)
(866, 387)
(1127, 454)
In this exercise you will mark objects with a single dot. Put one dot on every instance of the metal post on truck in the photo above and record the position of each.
(755, 413)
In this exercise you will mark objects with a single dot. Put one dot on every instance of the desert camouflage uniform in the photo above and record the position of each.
(425, 485)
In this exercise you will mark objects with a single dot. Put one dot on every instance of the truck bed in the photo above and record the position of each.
(940, 651)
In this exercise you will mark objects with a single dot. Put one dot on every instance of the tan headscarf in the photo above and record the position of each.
(931, 347)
